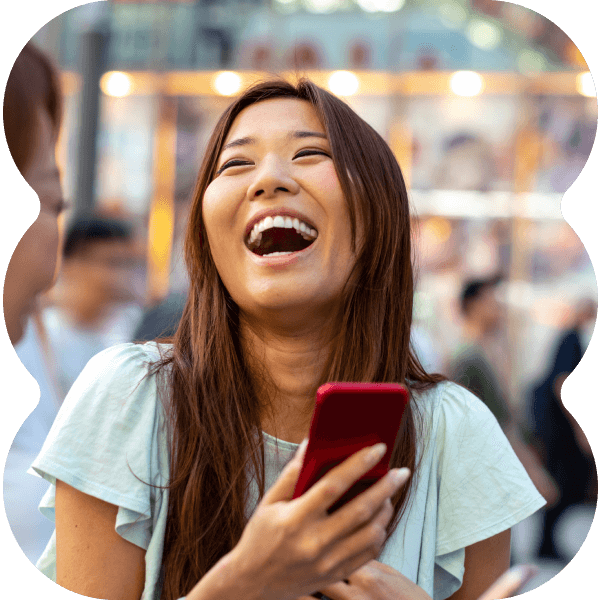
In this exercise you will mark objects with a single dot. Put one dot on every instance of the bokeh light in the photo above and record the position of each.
(484, 35)
(531, 61)
(453, 15)
(227, 83)
(116, 84)
(322, 6)
(466, 83)
(585, 85)
(343, 83)
(381, 5)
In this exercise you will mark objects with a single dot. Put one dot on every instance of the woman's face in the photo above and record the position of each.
(33, 265)
(276, 191)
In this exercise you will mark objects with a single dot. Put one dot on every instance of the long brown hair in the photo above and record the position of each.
(33, 85)
(212, 410)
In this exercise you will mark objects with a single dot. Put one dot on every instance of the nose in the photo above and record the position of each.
(271, 179)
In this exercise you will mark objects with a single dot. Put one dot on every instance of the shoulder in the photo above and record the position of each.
(477, 483)
(122, 363)
(462, 435)
(131, 353)
(450, 412)
(117, 380)
(109, 439)
(450, 401)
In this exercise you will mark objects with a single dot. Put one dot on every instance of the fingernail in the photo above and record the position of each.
(400, 476)
(302, 447)
(376, 452)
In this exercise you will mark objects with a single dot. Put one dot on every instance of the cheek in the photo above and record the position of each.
(217, 210)
(207, 210)
(331, 191)
(328, 182)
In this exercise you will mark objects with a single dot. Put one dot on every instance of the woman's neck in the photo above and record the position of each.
(292, 367)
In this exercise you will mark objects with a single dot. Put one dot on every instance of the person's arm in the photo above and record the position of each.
(485, 562)
(92, 559)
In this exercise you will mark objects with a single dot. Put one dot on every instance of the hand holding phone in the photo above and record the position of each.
(292, 548)
(348, 417)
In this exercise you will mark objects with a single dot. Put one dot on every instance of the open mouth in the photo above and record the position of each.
(278, 241)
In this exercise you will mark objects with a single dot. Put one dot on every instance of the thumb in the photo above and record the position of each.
(301, 451)
(283, 488)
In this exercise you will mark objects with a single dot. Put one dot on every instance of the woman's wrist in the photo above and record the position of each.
(225, 581)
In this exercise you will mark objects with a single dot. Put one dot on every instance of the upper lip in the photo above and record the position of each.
(271, 212)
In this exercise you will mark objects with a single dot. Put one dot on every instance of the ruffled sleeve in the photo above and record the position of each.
(105, 441)
(483, 489)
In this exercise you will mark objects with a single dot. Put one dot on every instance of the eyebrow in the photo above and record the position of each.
(245, 141)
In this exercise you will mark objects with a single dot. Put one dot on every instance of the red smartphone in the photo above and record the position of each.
(348, 417)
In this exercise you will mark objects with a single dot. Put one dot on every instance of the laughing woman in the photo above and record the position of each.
(173, 465)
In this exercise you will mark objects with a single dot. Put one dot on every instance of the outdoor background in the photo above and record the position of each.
(487, 154)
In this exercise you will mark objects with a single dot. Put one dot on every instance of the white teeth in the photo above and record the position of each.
(277, 253)
(264, 224)
(280, 221)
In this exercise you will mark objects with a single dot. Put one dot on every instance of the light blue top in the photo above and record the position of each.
(109, 437)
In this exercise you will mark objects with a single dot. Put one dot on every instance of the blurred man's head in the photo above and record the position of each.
(99, 258)
(479, 304)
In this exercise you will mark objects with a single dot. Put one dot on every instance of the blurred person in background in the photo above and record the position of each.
(472, 366)
(32, 117)
(425, 348)
(95, 303)
(564, 447)
(470, 363)
(161, 320)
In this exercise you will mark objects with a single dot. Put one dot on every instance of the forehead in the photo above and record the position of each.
(275, 116)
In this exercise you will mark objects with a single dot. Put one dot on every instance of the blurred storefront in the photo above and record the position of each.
(488, 106)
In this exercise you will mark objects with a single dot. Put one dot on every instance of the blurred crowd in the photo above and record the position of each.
(99, 299)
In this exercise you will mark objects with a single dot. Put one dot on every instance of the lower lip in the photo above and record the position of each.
(279, 262)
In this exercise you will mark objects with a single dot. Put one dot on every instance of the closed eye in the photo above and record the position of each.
(311, 153)
(237, 163)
